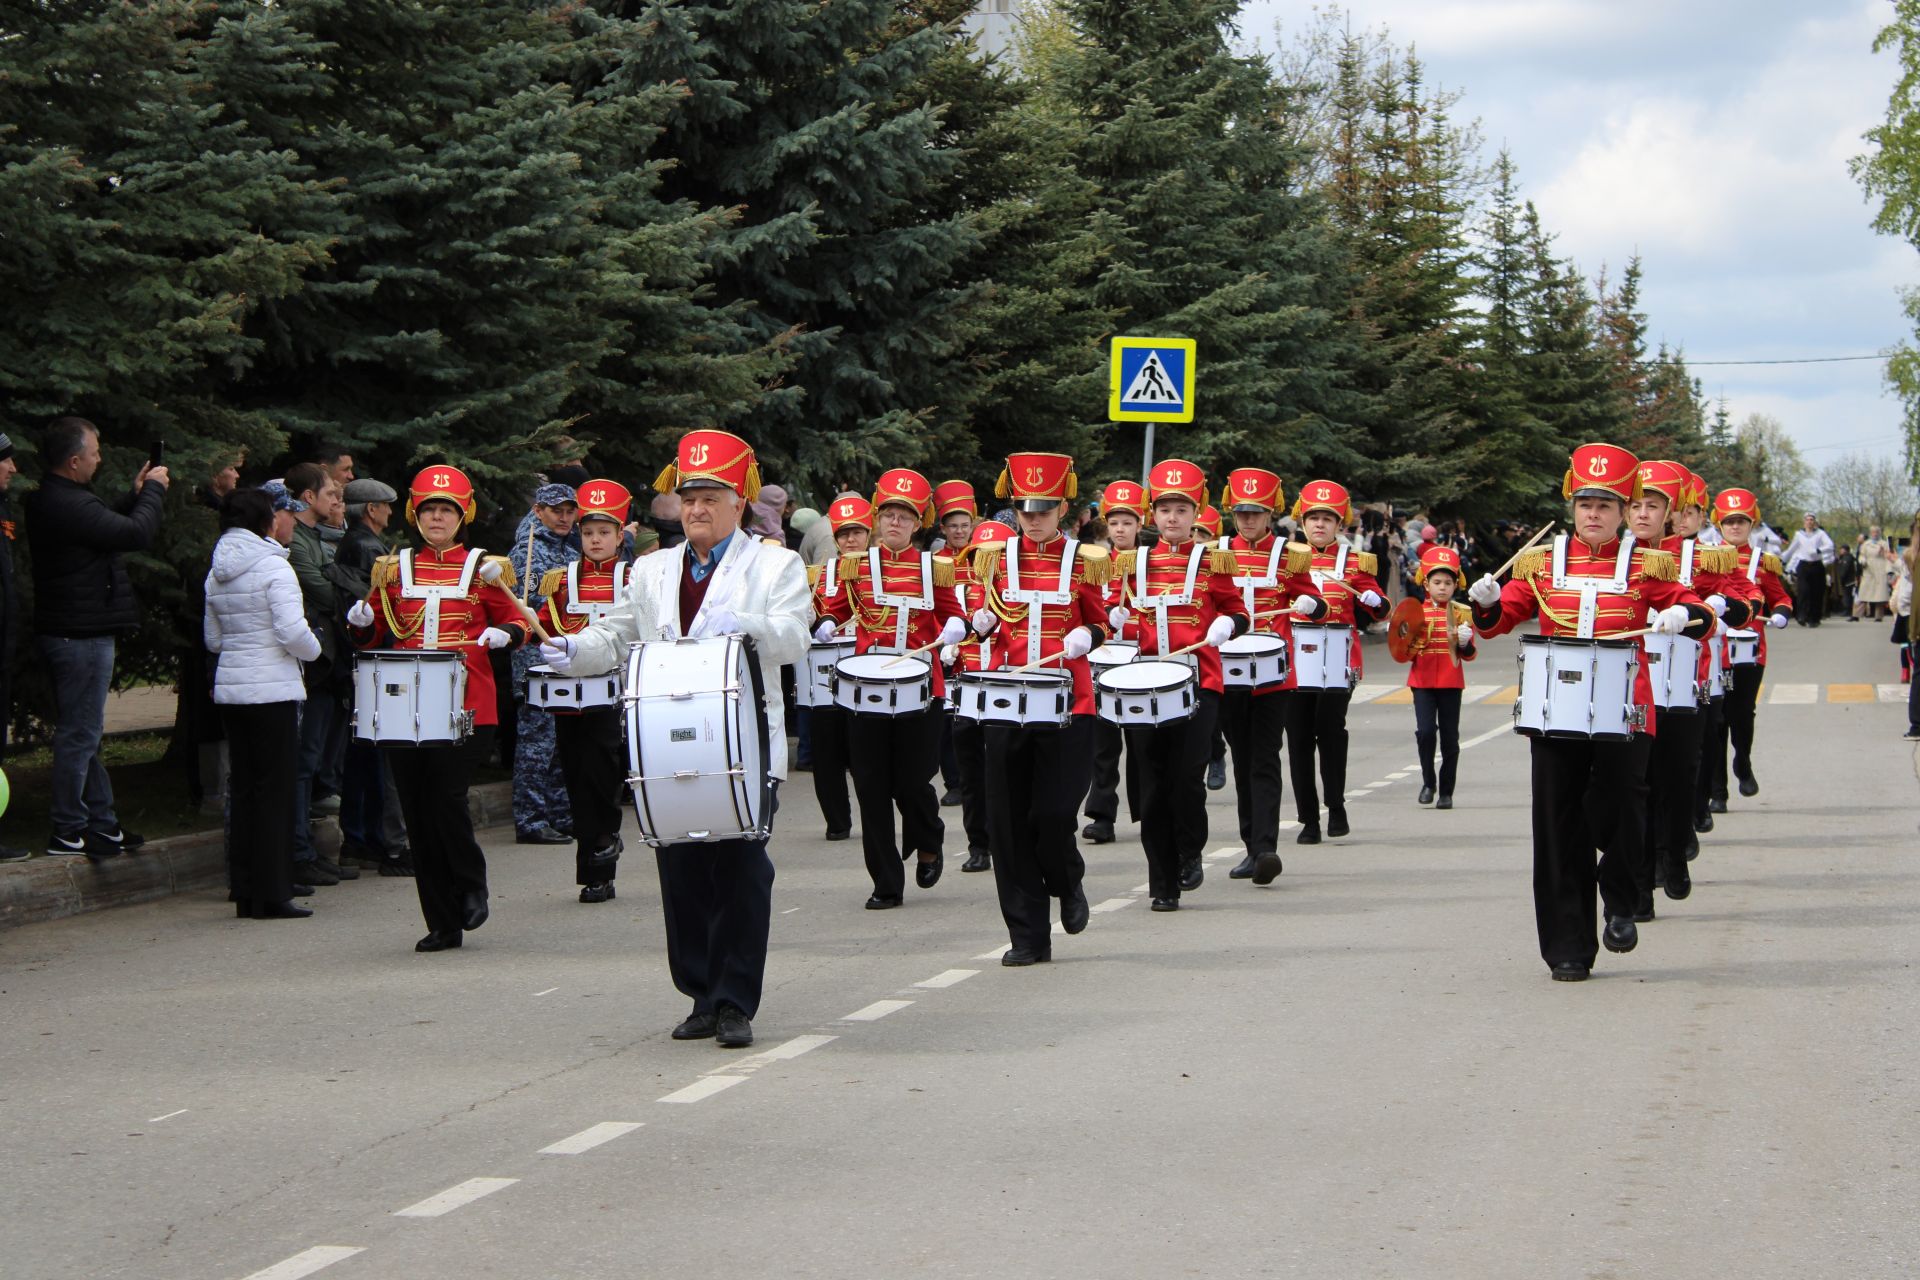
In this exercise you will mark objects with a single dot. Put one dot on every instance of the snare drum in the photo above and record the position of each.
(1034, 699)
(1673, 665)
(1322, 656)
(549, 689)
(1743, 648)
(1716, 669)
(697, 745)
(883, 684)
(1146, 693)
(813, 678)
(1578, 689)
(1114, 653)
(411, 697)
(1253, 661)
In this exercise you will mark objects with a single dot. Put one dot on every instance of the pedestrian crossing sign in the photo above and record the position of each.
(1151, 380)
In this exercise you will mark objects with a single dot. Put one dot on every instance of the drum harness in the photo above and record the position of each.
(1589, 589)
(1249, 583)
(433, 595)
(897, 607)
(594, 610)
(1036, 600)
(1160, 604)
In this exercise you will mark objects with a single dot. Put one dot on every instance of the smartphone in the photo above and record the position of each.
(156, 453)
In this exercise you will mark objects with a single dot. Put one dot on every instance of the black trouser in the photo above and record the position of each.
(1253, 724)
(949, 754)
(970, 754)
(1711, 783)
(448, 868)
(1742, 697)
(1036, 779)
(1173, 791)
(588, 744)
(1587, 796)
(1217, 748)
(1103, 796)
(1436, 719)
(830, 766)
(894, 759)
(717, 900)
(1810, 594)
(1673, 770)
(264, 740)
(1317, 719)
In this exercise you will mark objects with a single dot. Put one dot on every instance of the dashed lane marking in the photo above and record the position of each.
(454, 1197)
(947, 979)
(996, 953)
(589, 1138)
(170, 1115)
(1111, 904)
(549, 991)
(876, 1011)
(703, 1088)
(307, 1261)
(779, 1053)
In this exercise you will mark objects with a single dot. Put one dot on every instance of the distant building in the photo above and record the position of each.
(992, 23)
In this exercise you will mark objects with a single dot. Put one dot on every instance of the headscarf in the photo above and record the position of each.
(768, 510)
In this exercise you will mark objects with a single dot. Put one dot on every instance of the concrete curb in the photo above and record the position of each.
(55, 888)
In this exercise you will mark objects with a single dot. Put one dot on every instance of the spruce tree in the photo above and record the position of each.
(1570, 383)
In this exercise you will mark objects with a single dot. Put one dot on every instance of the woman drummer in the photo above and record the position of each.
(850, 517)
(1760, 581)
(1317, 717)
(443, 596)
(1590, 794)
(1123, 506)
(1436, 671)
(972, 655)
(901, 601)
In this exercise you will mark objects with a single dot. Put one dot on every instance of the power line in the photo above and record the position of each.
(1703, 364)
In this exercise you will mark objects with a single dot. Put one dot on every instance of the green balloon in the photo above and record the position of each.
(6, 791)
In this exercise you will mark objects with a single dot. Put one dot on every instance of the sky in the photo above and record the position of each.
(1712, 138)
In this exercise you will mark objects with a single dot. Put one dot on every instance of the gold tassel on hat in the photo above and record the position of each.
(1003, 487)
(669, 478)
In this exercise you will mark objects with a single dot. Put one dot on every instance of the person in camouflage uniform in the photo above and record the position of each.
(541, 814)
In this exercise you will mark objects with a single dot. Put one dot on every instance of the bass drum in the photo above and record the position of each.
(697, 745)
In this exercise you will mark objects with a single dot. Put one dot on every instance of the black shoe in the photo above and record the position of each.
(1216, 775)
(1308, 835)
(597, 892)
(697, 1026)
(877, 903)
(839, 833)
(731, 1030)
(1073, 910)
(927, 874)
(1098, 832)
(1693, 847)
(1913, 731)
(288, 910)
(1337, 823)
(397, 866)
(1704, 822)
(1266, 868)
(1679, 880)
(123, 840)
(1192, 874)
(1021, 957)
(1749, 786)
(476, 910)
(1620, 934)
(1243, 869)
(949, 798)
(1659, 872)
(1444, 802)
(355, 854)
(300, 890)
(1166, 904)
(439, 942)
(313, 873)
(1716, 805)
(539, 835)
(61, 846)
(1426, 795)
(977, 860)
(1571, 971)
(9, 853)
(1643, 908)
(336, 870)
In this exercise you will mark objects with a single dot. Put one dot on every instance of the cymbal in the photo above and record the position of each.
(1406, 628)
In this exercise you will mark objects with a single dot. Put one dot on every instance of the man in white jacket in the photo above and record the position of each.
(717, 897)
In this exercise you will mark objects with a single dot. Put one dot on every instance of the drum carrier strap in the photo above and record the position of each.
(1160, 604)
(1031, 599)
(1250, 582)
(901, 605)
(1589, 589)
(433, 595)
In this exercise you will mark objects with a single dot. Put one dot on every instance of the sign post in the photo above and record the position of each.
(1151, 380)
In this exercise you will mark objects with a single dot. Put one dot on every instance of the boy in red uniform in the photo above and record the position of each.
(1123, 505)
(1758, 578)
(1437, 672)
(969, 736)
(851, 518)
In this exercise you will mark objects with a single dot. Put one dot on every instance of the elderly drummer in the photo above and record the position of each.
(1589, 793)
(717, 897)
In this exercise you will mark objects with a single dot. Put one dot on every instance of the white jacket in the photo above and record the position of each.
(256, 622)
(764, 587)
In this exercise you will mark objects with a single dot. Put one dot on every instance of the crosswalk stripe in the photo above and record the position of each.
(1893, 692)
(1476, 692)
(1850, 693)
(1793, 694)
(1399, 697)
(1368, 692)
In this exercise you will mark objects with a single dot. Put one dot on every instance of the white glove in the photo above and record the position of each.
(1305, 607)
(723, 623)
(495, 638)
(1371, 599)
(1077, 643)
(1464, 634)
(984, 620)
(953, 633)
(558, 652)
(1776, 620)
(1219, 631)
(1670, 621)
(1118, 617)
(949, 654)
(1485, 591)
(490, 571)
(361, 615)
(1717, 603)
(824, 632)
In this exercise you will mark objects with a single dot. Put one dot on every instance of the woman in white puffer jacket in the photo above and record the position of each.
(257, 630)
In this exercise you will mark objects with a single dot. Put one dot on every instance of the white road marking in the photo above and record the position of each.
(1475, 692)
(947, 979)
(1891, 692)
(876, 1011)
(1140, 888)
(1368, 692)
(587, 1139)
(1111, 904)
(996, 953)
(1404, 773)
(1794, 695)
(779, 1053)
(454, 1197)
(789, 911)
(307, 1261)
(549, 991)
(1488, 736)
(704, 1087)
(1288, 825)
(170, 1115)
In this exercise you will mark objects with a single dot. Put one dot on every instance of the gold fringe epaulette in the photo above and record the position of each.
(1220, 561)
(850, 567)
(1530, 564)
(386, 572)
(814, 572)
(550, 580)
(1459, 613)
(1659, 565)
(1299, 558)
(1124, 562)
(1096, 565)
(508, 578)
(1771, 563)
(942, 572)
(1368, 562)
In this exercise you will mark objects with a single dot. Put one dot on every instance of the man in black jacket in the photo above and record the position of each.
(82, 600)
(372, 830)
(9, 616)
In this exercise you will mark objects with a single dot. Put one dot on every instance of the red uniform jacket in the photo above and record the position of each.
(1760, 580)
(975, 653)
(913, 585)
(1342, 575)
(1040, 604)
(1195, 575)
(1709, 571)
(1269, 584)
(581, 593)
(413, 584)
(1433, 667)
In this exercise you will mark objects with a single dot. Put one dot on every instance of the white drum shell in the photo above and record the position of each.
(1743, 648)
(1322, 656)
(813, 677)
(883, 684)
(1034, 699)
(410, 697)
(1577, 689)
(1716, 670)
(1253, 661)
(1673, 666)
(1146, 693)
(553, 691)
(697, 746)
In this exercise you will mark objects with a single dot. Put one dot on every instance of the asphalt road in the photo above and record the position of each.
(1362, 1070)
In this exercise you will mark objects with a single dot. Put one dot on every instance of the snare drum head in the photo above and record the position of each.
(1114, 653)
(1146, 676)
(887, 667)
(1254, 644)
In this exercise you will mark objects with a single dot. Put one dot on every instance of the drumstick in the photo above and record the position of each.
(911, 653)
(526, 583)
(1544, 531)
(1038, 662)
